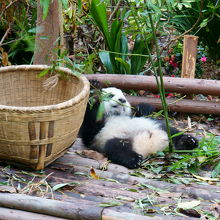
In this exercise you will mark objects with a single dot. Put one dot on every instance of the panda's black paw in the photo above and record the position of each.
(143, 109)
(186, 142)
(133, 160)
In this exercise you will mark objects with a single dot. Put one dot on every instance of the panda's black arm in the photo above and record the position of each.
(181, 141)
(120, 151)
(90, 126)
(142, 109)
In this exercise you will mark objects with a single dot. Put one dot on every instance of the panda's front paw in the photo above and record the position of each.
(143, 109)
(133, 160)
(186, 142)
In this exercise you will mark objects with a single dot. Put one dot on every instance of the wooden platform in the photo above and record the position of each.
(74, 187)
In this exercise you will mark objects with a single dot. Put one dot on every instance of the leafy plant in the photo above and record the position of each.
(45, 4)
(117, 60)
(17, 30)
(64, 61)
(205, 16)
(207, 154)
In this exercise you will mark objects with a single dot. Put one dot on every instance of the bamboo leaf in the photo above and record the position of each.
(216, 170)
(188, 205)
(100, 112)
(43, 73)
(79, 5)
(109, 204)
(65, 3)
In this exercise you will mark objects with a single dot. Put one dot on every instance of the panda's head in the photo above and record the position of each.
(115, 102)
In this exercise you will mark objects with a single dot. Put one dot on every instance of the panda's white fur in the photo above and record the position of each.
(145, 134)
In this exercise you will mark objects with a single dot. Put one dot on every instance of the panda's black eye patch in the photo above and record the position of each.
(110, 95)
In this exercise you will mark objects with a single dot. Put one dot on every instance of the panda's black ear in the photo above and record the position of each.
(143, 109)
(95, 84)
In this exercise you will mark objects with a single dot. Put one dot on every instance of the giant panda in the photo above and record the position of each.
(124, 134)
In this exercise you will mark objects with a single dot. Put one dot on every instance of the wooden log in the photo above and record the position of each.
(148, 83)
(189, 56)
(77, 210)
(13, 214)
(109, 214)
(207, 194)
(184, 105)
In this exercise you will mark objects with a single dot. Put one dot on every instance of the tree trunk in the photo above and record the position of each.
(47, 34)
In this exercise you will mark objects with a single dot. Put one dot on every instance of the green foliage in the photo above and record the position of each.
(62, 61)
(207, 154)
(116, 60)
(20, 19)
(186, 15)
(45, 5)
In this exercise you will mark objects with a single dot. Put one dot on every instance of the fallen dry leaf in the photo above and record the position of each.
(93, 174)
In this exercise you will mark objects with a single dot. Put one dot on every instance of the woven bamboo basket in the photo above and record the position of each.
(38, 125)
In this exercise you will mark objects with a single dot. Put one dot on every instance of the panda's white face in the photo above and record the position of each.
(115, 102)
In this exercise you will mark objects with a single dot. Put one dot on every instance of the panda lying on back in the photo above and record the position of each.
(126, 139)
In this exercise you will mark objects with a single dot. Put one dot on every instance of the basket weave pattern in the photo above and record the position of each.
(38, 125)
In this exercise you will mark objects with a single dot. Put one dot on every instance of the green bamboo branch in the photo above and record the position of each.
(162, 95)
(160, 83)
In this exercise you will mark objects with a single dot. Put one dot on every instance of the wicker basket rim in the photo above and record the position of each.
(78, 98)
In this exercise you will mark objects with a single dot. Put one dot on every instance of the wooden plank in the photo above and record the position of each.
(189, 56)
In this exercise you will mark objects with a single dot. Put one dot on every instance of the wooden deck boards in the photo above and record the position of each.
(88, 198)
